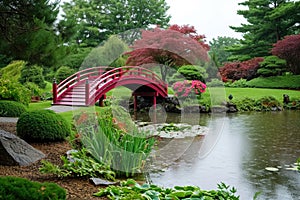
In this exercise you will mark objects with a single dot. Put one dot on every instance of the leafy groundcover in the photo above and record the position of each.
(130, 189)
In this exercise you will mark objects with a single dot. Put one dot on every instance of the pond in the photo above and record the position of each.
(236, 151)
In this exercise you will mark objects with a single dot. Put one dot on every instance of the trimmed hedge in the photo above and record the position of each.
(42, 126)
(15, 188)
(11, 109)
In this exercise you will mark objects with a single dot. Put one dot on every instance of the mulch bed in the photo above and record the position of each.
(77, 188)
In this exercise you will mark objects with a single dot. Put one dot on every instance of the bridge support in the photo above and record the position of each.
(101, 103)
(145, 94)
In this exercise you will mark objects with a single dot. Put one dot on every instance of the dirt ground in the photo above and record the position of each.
(77, 188)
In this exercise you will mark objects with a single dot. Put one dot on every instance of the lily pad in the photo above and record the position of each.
(272, 169)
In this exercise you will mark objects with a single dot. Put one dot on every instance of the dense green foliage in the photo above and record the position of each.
(13, 70)
(267, 103)
(112, 138)
(218, 49)
(42, 126)
(108, 54)
(15, 188)
(130, 189)
(268, 22)
(27, 32)
(14, 91)
(33, 74)
(78, 164)
(272, 66)
(90, 24)
(189, 72)
(63, 72)
(11, 109)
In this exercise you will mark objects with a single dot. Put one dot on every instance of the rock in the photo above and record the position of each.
(15, 151)
(99, 181)
(219, 109)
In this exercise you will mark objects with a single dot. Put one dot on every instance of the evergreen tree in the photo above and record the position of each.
(218, 49)
(268, 22)
(27, 31)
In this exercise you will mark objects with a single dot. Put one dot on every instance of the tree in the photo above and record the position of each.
(268, 22)
(189, 72)
(169, 48)
(289, 49)
(90, 22)
(218, 49)
(272, 66)
(107, 54)
(240, 70)
(27, 31)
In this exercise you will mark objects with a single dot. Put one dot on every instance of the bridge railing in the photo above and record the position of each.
(76, 79)
(117, 73)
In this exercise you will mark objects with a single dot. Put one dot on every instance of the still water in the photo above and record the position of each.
(236, 151)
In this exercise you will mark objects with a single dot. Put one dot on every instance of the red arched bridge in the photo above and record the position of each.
(86, 87)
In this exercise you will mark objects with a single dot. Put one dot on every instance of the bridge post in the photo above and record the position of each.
(101, 104)
(87, 92)
(154, 107)
(54, 90)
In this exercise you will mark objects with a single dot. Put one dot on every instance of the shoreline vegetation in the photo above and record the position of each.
(55, 165)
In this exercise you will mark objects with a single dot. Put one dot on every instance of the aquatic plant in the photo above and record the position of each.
(130, 189)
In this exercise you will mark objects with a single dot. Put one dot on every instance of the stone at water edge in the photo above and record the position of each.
(272, 169)
(15, 151)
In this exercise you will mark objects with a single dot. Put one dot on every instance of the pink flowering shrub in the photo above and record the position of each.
(188, 88)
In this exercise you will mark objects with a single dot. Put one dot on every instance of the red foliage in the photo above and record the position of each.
(169, 47)
(289, 49)
(237, 70)
(188, 88)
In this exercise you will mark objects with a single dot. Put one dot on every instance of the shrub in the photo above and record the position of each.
(15, 188)
(272, 66)
(215, 83)
(13, 70)
(33, 74)
(189, 72)
(63, 72)
(11, 109)
(245, 104)
(188, 88)
(34, 89)
(242, 83)
(42, 126)
(237, 70)
(267, 103)
(14, 91)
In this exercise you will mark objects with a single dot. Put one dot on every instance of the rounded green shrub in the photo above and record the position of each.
(15, 188)
(11, 109)
(42, 126)
(63, 72)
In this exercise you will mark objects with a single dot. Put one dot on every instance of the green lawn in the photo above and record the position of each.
(216, 95)
(256, 93)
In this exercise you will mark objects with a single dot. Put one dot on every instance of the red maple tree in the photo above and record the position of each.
(173, 47)
(289, 49)
(236, 70)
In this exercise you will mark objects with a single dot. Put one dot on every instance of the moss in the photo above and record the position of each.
(15, 188)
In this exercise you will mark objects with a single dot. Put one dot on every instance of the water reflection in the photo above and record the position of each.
(248, 143)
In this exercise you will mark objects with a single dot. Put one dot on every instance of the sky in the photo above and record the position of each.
(210, 17)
